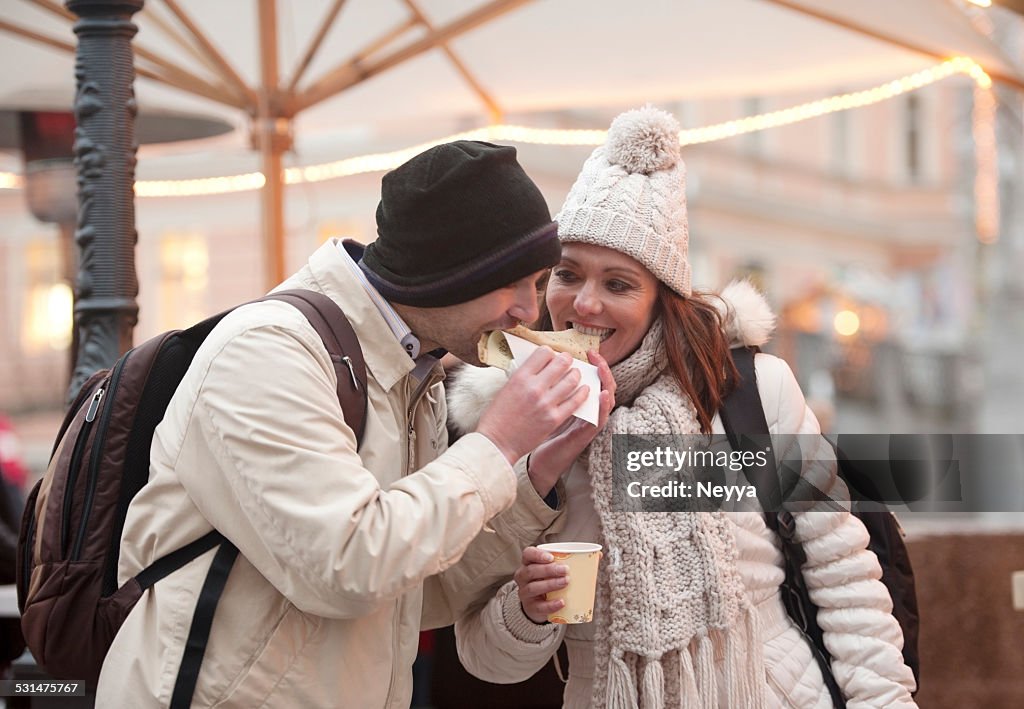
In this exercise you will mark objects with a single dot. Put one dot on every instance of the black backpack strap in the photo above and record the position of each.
(206, 604)
(341, 342)
(202, 620)
(742, 412)
(166, 565)
(742, 417)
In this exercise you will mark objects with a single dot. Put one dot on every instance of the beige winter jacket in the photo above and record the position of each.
(500, 644)
(342, 555)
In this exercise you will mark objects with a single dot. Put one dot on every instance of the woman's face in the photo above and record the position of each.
(598, 291)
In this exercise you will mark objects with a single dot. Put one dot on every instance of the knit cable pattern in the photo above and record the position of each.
(670, 596)
(630, 196)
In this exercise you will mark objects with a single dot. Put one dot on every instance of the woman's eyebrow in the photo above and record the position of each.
(622, 270)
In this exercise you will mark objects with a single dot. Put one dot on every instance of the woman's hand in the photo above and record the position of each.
(537, 577)
(555, 455)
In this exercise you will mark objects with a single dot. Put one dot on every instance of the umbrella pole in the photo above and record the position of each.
(272, 204)
(273, 133)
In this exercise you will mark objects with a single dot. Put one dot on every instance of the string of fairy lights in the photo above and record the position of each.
(986, 182)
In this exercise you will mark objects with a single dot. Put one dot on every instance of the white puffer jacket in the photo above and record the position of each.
(499, 644)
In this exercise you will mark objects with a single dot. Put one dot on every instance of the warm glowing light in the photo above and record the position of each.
(60, 315)
(50, 316)
(9, 181)
(380, 162)
(846, 323)
(205, 185)
(844, 102)
(981, 3)
(184, 278)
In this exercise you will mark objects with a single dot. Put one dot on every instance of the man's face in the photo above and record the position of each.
(458, 328)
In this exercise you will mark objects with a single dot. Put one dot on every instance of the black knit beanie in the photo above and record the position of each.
(458, 221)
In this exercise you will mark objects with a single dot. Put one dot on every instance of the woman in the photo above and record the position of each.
(705, 625)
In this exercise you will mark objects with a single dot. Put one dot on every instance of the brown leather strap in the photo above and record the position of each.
(341, 342)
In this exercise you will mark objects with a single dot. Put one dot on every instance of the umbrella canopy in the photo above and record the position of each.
(519, 57)
(333, 78)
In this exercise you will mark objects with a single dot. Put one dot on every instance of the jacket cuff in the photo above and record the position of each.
(518, 625)
(536, 505)
(480, 459)
(530, 517)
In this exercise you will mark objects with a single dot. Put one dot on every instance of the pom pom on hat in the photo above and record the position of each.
(630, 196)
(643, 140)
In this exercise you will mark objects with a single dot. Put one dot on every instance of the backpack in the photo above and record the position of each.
(68, 549)
(742, 415)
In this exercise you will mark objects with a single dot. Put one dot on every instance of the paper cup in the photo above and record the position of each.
(582, 560)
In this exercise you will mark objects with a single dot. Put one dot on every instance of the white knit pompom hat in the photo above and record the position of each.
(631, 196)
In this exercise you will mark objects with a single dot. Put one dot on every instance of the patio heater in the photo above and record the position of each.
(42, 128)
(92, 150)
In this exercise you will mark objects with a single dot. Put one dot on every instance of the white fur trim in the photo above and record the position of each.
(470, 393)
(748, 319)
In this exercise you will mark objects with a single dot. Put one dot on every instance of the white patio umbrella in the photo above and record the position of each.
(331, 70)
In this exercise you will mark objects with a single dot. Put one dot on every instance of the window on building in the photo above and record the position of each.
(753, 143)
(912, 137)
(184, 274)
(841, 143)
(48, 314)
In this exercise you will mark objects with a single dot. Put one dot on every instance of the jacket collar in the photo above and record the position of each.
(385, 357)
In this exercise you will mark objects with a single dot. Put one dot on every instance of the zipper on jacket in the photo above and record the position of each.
(396, 644)
(76, 464)
(411, 454)
(410, 438)
(94, 462)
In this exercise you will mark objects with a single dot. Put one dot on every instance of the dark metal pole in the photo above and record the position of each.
(105, 145)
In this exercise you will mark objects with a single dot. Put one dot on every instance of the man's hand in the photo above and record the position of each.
(537, 577)
(553, 457)
(539, 397)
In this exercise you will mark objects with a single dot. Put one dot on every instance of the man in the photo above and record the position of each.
(343, 552)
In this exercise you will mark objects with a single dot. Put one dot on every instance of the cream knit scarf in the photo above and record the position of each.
(669, 597)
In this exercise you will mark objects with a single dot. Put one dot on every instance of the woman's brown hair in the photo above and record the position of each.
(698, 351)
